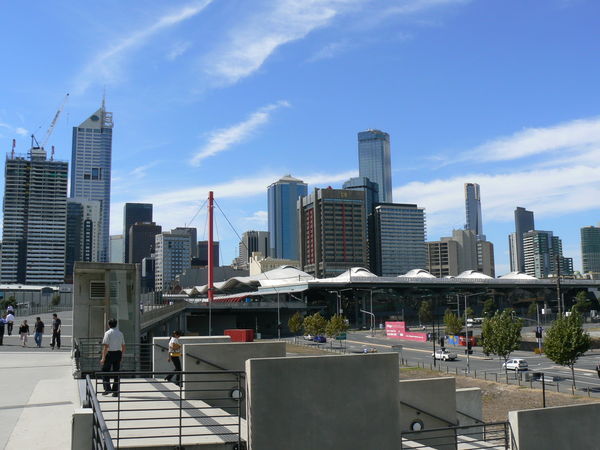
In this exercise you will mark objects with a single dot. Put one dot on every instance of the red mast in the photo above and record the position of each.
(210, 249)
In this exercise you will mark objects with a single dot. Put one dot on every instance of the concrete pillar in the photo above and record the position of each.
(82, 428)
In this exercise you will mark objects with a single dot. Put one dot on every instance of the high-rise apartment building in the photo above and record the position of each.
(35, 219)
(544, 255)
(442, 258)
(375, 162)
(83, 233)
(524, 222)
(173, 256)
(192, 232)
(117, 248)
(91, 168)
(332, 231)
(134, 213)
(397, 240)
(283, 221)
(252, 241)
(473, 210)
(142, 240)
(370, 189)
(590, 250)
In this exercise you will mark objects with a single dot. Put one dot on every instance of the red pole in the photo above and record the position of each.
(210, 247)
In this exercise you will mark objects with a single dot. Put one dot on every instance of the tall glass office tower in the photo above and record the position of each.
(590, 250)
(374, 161)
(473, 210)
(524, 222)
(91, 167)
(283, 196)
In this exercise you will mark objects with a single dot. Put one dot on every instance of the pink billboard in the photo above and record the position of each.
(397, 330)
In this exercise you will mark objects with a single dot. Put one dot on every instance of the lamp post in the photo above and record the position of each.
(371, 308)
(467, 329)
(278, 318)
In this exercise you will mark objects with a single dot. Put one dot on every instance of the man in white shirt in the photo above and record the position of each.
(113, 348)
(10, 321)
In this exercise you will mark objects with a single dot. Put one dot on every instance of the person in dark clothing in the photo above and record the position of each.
(24, 333)
(113, 348)
(175, 357)
(39, 331)
(56, 326)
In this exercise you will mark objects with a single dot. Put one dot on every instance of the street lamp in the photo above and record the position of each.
(371, 313)
(467, 329)
(372, 318)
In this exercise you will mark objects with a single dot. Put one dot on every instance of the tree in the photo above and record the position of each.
(502, 334)
(295, 323)
(582, 303)
(55, 299)
(566, 341)
(315, 324)
(425, 314)
(10, 301)
(453, 323)
(336, 326)
(489, 307)
(532, 310)
(469, 312)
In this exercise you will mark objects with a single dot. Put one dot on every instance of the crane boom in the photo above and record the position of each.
(53, 123)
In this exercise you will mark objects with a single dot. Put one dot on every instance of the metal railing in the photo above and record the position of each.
(486, 435)
(101, 439)
(87, 353)
(201, 405)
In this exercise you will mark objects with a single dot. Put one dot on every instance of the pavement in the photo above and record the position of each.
(38, 390)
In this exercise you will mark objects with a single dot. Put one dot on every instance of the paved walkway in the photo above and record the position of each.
(37, 390)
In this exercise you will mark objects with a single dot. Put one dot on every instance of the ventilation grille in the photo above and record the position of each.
(97, 290)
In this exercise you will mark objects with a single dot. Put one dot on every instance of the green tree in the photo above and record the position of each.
(336, 326)
(295, 323)
(10, 301)
(315, 324)
(469, 312)
(55, 299)
(453, 323)
(566, 341)
(489, 307)
(582, 303)
(532, 310)
(425, 314)
(502, 334)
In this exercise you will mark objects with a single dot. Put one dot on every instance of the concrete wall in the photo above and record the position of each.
(562, 427)
(468, 401)
(431, 401)
(229, 356)
(160, 354)
(323, 402)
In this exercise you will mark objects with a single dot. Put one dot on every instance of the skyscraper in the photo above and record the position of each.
(91, 168)
(193, 234)
(253, 241)
(370, 189)
(35, 219)
(374, 161)
(332, 231)
(283, 220)
(398, 239)
(202, 259)
(463, 251)
(142, 241)
(134, 213)
(544, 255)
(524, 222)
(83, 233)
(117, 248)
(173, 256)
(590, 250)
(473, 210)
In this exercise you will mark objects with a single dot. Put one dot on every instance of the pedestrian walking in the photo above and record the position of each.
(39, 331)
(10, 321)
(2, 325)
(598, 369)
(24, 332)
(10, 309)
(56, 328)
(175, 357)
(113, 348)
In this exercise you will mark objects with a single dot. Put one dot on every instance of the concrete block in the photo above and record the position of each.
(82, 428)
(323, 402)
(469, 406)
(160, 347)
(565, 427)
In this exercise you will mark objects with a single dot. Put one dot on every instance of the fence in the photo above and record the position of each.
(148, 408)
(101, 439)
(487, 435)
(87, 353)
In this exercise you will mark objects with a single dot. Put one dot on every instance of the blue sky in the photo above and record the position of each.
(229, 95)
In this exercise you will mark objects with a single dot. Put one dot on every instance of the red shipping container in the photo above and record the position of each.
(240, 335)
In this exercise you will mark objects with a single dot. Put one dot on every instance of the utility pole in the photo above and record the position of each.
(558, 296)
(210, 261)
(467, 337)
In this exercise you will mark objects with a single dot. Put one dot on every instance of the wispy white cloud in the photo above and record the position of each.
(258, 217)
(222, 139)
(141, 171)
(21, 131)
(577, 135)
(330, 50)
(106, 65)
(178, 49)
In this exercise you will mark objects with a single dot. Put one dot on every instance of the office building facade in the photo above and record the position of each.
(590, 250)
(83, 232)
(332, 231)
(450, 256)
(397, 240)
(35, 219)
(173, 256)
(474, 220)
(442, 258)
(524, 222)
(193, 234)
(282, 197)
(202, 259)
(142, 241)
(374, 161)
(134, 213)
(544, 255)
(117, 248)
(91, 168)
(252, 241)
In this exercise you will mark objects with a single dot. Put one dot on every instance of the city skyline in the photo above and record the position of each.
(516, 115)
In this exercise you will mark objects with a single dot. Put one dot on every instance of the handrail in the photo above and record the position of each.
(93, 402)
(453, 424)
(470, 417)
(197, 358)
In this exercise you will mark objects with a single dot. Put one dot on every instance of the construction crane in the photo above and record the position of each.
(53, 123)
(12, 152)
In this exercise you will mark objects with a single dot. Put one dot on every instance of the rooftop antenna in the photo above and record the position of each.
(12, 152)
(104, 98)
(52, 154)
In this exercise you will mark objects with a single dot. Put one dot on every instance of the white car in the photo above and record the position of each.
(308, 337)
(444, 355)
(515, 364)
